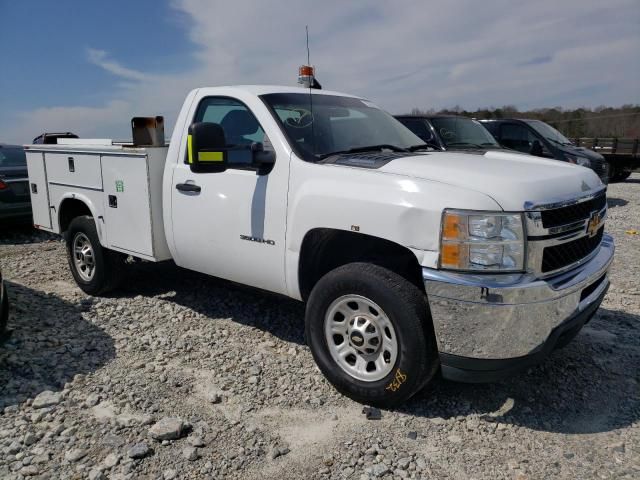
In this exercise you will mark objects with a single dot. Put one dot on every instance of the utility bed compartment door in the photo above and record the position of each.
(74, 170)
(127, 208)
(39, 190)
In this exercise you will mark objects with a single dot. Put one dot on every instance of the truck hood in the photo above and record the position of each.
(510, 179)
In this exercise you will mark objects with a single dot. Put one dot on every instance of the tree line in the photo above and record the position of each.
(621, 122)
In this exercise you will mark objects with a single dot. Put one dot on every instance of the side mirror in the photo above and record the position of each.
(206, 148)
(261, 158)
(536, 148)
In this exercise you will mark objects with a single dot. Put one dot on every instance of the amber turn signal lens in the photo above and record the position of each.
(451, 253)
(452, 228)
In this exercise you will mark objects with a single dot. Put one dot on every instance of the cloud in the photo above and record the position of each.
(399, 54)
(536, 61)
(100, 58)
(91, 121)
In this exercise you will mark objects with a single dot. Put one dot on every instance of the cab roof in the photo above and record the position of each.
(266, 89)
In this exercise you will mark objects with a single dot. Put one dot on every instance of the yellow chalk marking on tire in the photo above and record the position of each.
(397, 381)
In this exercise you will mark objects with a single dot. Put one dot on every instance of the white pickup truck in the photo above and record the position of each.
(411, 262)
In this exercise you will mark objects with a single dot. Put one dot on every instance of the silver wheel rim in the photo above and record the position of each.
(361, 338)
(83, 257)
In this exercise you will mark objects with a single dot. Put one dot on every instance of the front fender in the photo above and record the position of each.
(397, 208)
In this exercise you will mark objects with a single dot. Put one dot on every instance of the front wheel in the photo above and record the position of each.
(370, 333)
(95, 269)
(622, 176)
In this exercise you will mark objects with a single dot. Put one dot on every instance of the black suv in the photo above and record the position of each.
(538, 138)
(450, 132)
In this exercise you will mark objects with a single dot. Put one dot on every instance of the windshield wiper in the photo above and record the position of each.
(473, 145)
(422, 146)
(369, 148)
(564, 144)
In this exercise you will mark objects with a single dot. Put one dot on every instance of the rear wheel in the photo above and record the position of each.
(95, 269)
(371, 335)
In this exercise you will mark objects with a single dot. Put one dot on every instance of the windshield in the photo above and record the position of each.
(548, 132)
(12, 157)
(337, 124)
(460, 132)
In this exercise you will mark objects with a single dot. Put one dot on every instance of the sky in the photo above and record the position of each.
(88, 66)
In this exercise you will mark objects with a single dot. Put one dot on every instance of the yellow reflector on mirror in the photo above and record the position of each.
(210, 156)
(190, 148)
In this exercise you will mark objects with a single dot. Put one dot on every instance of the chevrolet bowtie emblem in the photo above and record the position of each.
(594, 223)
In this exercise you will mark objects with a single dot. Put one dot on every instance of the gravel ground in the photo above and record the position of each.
(183, 376)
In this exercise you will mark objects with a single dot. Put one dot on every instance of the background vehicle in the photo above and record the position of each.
(408, 261)
(450, 132)
(4, 307)
(538, 138)
(622, 154)
(15, 203)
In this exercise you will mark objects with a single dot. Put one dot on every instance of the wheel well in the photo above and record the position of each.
(71, 208)
(324, 249)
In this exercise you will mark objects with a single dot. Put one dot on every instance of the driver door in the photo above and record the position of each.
(233, 227)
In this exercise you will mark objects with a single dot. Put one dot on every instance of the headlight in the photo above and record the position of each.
(482, 241)
(582, 161)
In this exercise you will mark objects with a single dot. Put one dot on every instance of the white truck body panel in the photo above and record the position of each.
(39, 191)
(85, 141)
(131, 222)
(74, 170)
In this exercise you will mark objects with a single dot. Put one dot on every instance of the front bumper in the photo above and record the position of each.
(489, 326)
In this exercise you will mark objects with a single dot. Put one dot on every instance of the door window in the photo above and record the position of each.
(240, 126)
(419, 127)
(516, 137)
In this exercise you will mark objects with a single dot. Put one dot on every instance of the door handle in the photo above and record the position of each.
(188, 187)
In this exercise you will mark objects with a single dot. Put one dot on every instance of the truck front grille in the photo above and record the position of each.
(572, 213)
(560, 233)
(565, 254)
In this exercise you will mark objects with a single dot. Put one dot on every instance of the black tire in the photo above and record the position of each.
(109, 265)
(405, 306)
(607, 173)
(622, 176)
(617, 174)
